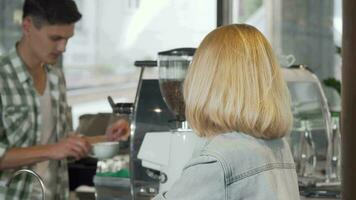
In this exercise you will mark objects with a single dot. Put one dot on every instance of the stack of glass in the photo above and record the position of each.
(315, 138)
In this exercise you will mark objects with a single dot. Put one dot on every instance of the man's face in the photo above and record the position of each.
(48, 42)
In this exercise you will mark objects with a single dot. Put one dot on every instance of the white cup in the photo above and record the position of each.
(105, 150)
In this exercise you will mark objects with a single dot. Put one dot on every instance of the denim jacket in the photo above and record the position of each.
(236, 166)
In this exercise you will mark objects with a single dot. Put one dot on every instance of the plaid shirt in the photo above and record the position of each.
(20, 122)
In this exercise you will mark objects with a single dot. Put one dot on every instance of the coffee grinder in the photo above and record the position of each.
(162, 142)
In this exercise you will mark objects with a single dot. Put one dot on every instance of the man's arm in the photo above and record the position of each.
(117, 131)
(71, 146)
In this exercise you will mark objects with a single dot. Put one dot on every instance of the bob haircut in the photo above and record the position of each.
(234, 83)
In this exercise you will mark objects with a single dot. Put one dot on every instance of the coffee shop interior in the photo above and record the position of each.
(112, 68)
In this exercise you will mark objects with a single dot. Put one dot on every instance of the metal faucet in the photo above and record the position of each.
(39, 179)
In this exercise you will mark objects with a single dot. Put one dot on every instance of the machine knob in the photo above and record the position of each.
(163, 178)
(157, 175)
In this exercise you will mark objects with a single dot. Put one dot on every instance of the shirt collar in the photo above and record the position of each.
(20, 67)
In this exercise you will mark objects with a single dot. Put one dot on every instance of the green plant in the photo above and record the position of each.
(333, 83)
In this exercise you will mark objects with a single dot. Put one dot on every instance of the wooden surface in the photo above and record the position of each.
(348, 125)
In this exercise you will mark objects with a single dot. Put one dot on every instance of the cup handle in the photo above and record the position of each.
(290, 59)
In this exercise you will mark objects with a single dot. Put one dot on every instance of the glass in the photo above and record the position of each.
(113, 34)
(310, 138)
(335, 165)
(247, 9)
(173, 65)
(307, 161)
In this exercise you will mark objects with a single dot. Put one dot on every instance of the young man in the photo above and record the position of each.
(33, 106)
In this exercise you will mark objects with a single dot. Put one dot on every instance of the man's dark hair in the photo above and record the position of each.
(51, 12)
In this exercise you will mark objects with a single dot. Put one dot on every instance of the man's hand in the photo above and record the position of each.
(71, 146)
(118, 131)
(75, 146)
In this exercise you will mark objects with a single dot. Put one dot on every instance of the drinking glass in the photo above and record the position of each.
(307, 153)
(335, 161)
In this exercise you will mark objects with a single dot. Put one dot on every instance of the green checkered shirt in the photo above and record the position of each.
(20, 122)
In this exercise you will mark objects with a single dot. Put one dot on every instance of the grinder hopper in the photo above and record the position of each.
(173, 65)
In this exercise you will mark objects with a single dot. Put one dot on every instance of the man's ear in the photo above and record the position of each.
(26, 24)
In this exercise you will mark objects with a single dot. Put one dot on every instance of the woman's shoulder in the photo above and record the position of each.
(239, 153)
(236, 142)
(238, 158)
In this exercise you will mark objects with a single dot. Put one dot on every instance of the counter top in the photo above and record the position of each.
(117, 188)
(116, 194)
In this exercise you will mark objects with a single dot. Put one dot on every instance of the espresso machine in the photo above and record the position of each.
(161, 140)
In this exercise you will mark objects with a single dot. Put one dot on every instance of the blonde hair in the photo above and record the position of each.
(234, 83)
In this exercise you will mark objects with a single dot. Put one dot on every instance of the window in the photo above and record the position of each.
(113, 34)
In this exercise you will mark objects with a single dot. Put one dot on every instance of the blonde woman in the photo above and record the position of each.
(237, 100)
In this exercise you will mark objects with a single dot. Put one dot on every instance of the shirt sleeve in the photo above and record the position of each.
(202, 178)
(3, 140)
